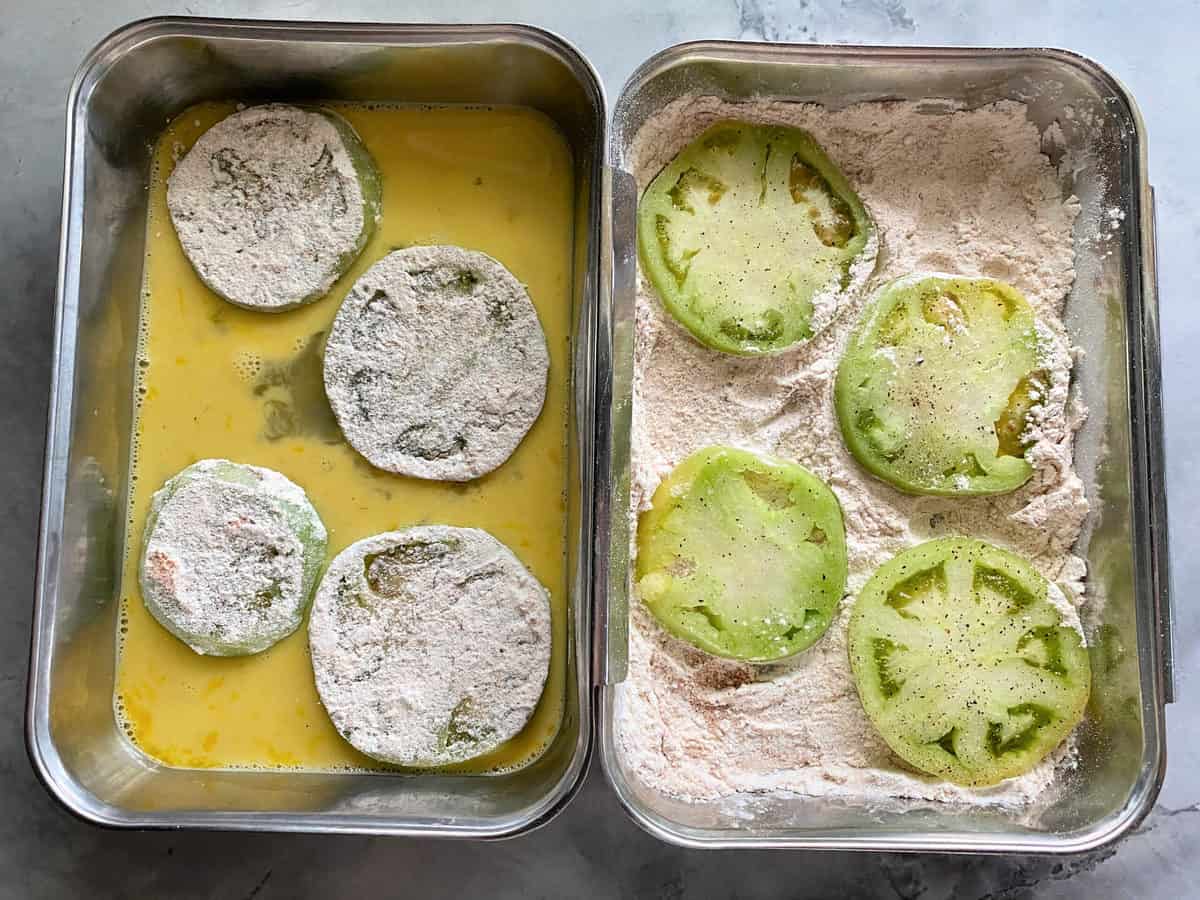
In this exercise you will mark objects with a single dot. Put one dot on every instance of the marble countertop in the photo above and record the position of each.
(592, 849)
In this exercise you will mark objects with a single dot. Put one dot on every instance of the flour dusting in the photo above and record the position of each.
(429, 645)
(230, 557)
(967, 192)
(436, 363)
(269, 206)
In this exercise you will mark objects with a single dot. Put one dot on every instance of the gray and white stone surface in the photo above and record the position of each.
(591, 850)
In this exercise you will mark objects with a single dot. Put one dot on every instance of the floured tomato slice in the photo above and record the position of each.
(230, 556)
(963, 663)
(742, 555)
(936, 386)
(743, 228)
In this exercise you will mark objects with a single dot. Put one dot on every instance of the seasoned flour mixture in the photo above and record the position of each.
(955, 191)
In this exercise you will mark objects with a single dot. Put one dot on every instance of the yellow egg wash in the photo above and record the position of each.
(219, 381)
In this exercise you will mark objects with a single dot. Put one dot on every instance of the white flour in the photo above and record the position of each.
(828, 302)
(429, 645)
(268, 206)
(965, 192)
(436, 363)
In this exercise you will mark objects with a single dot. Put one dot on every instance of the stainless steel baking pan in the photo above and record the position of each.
(124, 94)
(1112, 315)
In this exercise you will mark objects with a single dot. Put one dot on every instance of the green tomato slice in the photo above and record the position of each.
(742, 555)
(963, 664)
(743, 228)
(230, 556)
(937, 382)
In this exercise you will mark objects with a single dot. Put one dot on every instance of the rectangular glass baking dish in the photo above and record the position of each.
(1111, 314)
(126, 91)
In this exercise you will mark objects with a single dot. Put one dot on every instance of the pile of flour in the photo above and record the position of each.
(956, 191)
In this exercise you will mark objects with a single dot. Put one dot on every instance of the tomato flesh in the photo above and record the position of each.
(742, 555)
(964, 664)
(936, 387)
(743, 228)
